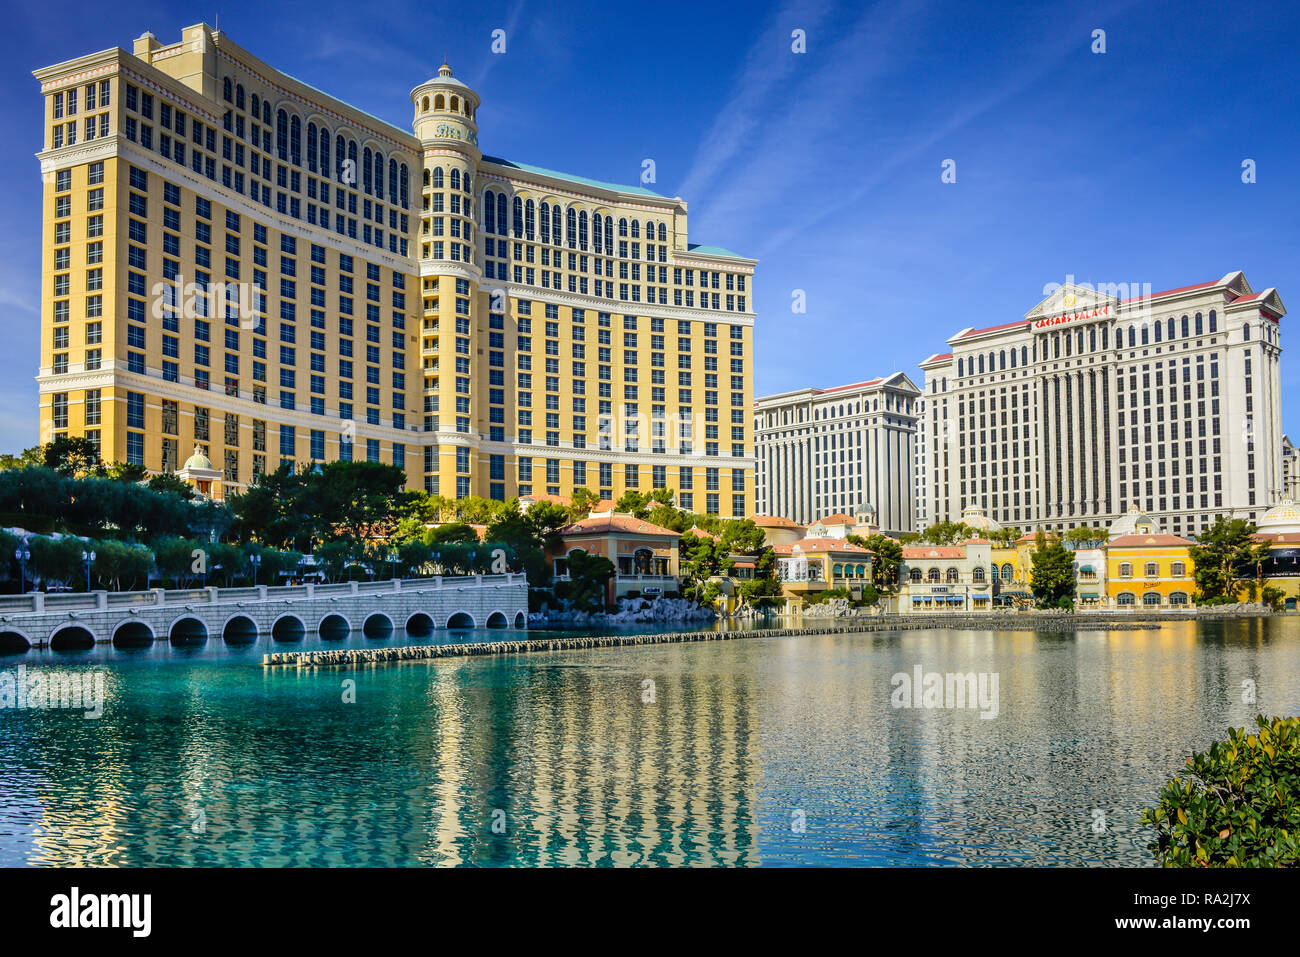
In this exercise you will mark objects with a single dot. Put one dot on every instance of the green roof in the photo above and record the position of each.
(712, 251)
(541, 171)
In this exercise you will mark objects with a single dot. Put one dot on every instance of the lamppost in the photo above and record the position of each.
(256, 561)
(394, 559)
(87, 559)
(437, 561)
(23, 555)
(148, 572)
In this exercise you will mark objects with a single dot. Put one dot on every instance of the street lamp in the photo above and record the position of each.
(256, 561)
(23, 555)
(88, 559)
(393, 558)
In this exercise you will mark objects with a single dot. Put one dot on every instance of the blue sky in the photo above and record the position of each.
(1115, 167)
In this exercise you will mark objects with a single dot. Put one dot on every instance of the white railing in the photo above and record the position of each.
(41, 602)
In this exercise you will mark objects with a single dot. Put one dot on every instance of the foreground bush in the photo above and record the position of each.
(1239, 805)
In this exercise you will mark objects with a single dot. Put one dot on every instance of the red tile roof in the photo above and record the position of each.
(934, 551)
(774, 521)
(853, 385)
(814, 545)
(616, 523)
(1154, 540)
(839, 518)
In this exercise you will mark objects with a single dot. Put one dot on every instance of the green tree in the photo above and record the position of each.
(167, 482)
(25, 459)
(1053, 573)
(887, 556)
(56, 560)
(119, 566)
(71, 455)
(947, 533)
(1223, 551)
(452, 533)
(588, 581)
(581, 504)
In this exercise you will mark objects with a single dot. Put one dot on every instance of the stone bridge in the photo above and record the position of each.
(72, 620)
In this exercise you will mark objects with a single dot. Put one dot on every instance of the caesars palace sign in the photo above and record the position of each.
(1097, 312)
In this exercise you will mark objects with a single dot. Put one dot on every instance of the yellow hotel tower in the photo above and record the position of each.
(236, 261)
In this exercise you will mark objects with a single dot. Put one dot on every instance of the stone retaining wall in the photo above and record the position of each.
(374, 656)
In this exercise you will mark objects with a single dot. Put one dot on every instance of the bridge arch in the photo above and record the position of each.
(13, 642)
(334, 627)
(71, 638)
(288, 627)
(461, 619)
(132, 633)
(420, 624)
(377, 625)
(188, 630)
(239, 630)
(498, 620)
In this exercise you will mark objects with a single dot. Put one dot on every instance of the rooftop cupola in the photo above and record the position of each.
(445, 109)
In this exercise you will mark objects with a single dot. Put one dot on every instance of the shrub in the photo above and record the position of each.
(1239, 805)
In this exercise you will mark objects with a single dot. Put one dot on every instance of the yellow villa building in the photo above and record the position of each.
(235, 260)
(1150, 569)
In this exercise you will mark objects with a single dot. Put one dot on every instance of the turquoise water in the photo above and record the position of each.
(766, 751)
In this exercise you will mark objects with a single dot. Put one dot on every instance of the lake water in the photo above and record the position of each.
(765, 751)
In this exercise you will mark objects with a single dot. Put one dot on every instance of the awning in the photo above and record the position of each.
(1085, 568)
(1089, 594)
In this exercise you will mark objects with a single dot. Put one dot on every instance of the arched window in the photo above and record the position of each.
(961, 367)
(837, 571)
(379, 174)
(1008, 572)
(1178, 598)
(1151, 598)
(282, 134)
(311, 147)
(1214, 321)
(266, 112)
(557, 227)
(978, 574)
(582, 230)
(455, 178)
(340, 155)
(239, 96)
(517, 217)
(636, 229)
(437, 177)
(609, 235)
(571, 227)
(933, 575)
(367, 170)
(981, 363)
(324, 152)
(597, 236)
(455, 104)
(501, 214)
(406, 191)
(1245, 330)
(295, 141)
(466, 182)
(1125, 598)
(663, 233)
(993, 569)
(862, 571)
(544, 226)
(622, 227)
(1024, 355)
(530, 220)
(952, 576)
(424, 105)
(255, 102)
(1170, 333)
(489, 212)
(393, 185)
(227, 90)
(439, 102)
(914, 574)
